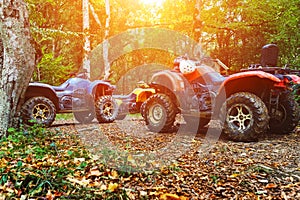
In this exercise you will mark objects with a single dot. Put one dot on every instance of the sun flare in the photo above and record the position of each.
(153, 2)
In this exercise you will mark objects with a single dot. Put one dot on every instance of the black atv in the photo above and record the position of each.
(85, 99)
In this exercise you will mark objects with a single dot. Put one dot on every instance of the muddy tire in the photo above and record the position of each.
(143, 109)
(286, 116)
(84, 117)
(106, 109)
(160, 113)
(246, 117)
(38, 110)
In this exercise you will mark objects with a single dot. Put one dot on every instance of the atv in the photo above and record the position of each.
(133, 102)
(249, 103)
(78, 95)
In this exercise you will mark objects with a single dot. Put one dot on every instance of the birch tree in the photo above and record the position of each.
(17, 60)
(105, 43)
(86, 30)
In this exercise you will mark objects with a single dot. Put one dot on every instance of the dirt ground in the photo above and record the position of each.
(193, 166)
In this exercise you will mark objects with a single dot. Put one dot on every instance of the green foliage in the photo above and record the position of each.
(64, 116)
(38, 163)
(233, 30)
(56, 27)
(51, 70)
(296, 92)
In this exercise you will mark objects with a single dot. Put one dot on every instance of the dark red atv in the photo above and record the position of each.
(84, 98)
(249, 103)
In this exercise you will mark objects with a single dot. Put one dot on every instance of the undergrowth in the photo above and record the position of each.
(38, 163)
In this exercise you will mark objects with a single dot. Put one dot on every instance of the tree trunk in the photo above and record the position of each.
(197, 26)
(17, 63)
(87, 43)
(105, 43)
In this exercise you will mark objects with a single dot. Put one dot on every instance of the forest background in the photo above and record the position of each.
(233, 31)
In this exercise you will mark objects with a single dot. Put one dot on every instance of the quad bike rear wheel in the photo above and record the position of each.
(286, 117)
(159, 113)
(40, 110)
(106, 109)
(84, 116)
(246, 117)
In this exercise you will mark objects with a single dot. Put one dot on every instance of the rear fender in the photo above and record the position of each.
(169, 79)
(175, 85)
(256, 82)
(295, 78)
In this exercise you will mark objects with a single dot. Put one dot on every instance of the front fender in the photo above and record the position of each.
(41, 89)
(142, 94)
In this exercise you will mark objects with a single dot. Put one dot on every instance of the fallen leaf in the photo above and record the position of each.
(95, 172)
(271, 185)
(169, 197)
(79, 160)
(113, 186)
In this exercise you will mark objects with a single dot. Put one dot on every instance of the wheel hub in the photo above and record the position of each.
(156, 113)
(240, 117)
(108, 109)
(40, 112)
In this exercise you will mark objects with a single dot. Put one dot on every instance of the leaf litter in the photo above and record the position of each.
(267, 169)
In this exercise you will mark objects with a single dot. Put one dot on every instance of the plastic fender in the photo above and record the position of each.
(36, 86)
(141, 93)
(242, 75)
(42, 85)
(177, 82)
(295, 78)
(42, 89)
(95, 84)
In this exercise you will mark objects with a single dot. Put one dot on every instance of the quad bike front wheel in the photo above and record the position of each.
(106, 109)
(286, 116)
(246, 117)
(40, 110)
(159, 113)
(84, 116)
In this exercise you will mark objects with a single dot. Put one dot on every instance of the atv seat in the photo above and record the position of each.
(210, 76)
(61, 87)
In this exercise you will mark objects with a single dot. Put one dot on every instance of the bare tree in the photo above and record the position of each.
(17, 60)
